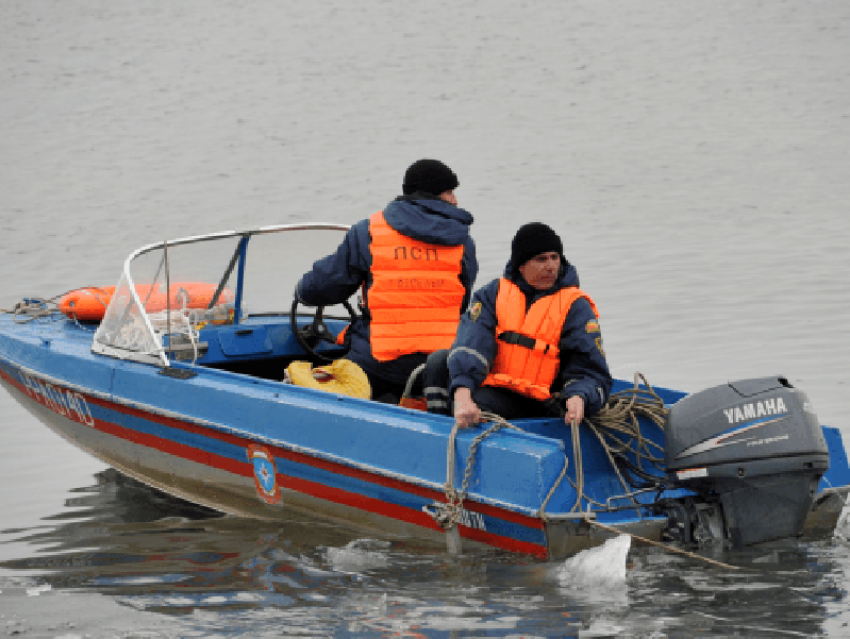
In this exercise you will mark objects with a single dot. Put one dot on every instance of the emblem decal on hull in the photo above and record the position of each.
(265, 473)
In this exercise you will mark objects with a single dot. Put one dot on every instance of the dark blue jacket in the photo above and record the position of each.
(583, 369)
(337, 277)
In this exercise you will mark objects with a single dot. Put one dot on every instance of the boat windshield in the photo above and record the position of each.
(222, 278)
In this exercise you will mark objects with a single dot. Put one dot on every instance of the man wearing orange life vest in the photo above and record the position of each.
(529, 346)
(415, 263)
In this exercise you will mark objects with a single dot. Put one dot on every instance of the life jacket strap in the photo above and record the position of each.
(518, 339)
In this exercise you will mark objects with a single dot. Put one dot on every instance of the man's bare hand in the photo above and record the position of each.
(466, 410)
(575, 409)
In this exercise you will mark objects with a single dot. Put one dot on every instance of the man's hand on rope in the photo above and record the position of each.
(575, 410)
(466, 410)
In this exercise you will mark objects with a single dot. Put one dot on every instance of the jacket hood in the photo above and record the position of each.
(429, 220)
(568, 276)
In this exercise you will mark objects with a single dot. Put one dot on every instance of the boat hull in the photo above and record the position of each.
(218, 471)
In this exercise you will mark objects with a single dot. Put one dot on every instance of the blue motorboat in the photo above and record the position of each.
(182, 384)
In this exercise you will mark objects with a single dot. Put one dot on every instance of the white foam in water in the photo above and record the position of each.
(600, 567)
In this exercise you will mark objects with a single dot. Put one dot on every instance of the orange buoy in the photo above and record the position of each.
(184, 295)
(90, 303)
(87, 303)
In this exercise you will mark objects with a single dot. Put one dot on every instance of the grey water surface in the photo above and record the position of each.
(695, 157)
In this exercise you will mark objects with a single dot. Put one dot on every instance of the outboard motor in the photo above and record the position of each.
(754, 452)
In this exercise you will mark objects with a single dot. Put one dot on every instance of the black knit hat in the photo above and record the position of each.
(429, 176)
(533, 239)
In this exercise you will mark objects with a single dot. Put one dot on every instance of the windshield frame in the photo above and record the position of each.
(159, 356)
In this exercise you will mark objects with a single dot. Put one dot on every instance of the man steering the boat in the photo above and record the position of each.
(416, 265)
(530, 345)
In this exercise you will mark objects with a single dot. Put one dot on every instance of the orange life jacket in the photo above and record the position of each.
(527, 352)
(416, 294)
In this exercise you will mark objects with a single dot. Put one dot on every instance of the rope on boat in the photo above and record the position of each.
(542, 512)
(33, 308)
(577, 458)
(451, 512)
(651, 542)
(616, 426)
(620, 417)
(619, 410)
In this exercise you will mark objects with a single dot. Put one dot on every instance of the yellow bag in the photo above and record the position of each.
(342, 376)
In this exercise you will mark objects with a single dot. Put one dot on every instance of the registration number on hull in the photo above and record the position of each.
(66, 402)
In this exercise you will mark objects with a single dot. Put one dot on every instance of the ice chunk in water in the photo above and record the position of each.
(359, 555)
(603, 566)
(842, 528)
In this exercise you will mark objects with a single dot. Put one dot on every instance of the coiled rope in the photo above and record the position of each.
(617, 427)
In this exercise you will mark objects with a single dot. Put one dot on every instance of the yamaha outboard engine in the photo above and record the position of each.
(754, 452)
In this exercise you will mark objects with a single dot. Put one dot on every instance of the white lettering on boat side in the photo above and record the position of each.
(67, 403)
(472, 520)
(56, 398)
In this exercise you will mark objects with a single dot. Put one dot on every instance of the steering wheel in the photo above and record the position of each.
(310, 336)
